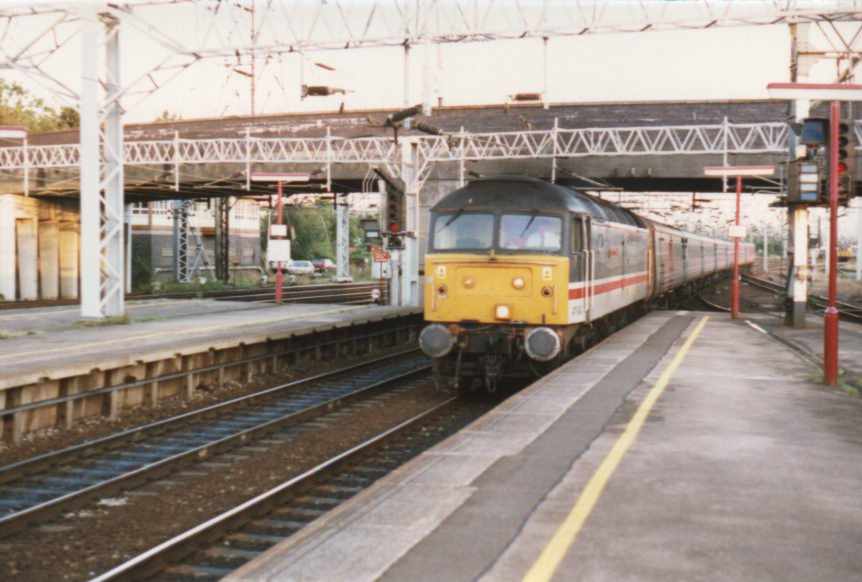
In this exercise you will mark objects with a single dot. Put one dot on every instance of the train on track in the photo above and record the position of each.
(521, 274)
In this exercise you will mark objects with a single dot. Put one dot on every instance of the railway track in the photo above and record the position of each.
(316, 293)
(40, 488)
(220, 545)
(849, 311)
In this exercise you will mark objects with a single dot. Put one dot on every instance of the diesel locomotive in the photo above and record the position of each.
(520, 274)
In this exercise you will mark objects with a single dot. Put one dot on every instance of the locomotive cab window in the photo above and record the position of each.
(463, 231)
(531, 232)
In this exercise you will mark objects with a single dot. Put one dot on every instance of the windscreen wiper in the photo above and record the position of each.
(454, 217)
(529, 222)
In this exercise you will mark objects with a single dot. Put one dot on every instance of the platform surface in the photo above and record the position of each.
(681, 448)
(48, 344)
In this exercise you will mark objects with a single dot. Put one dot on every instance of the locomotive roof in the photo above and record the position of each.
(520, 193)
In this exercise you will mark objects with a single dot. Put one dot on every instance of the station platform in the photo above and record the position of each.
(52, 343)
(685, 447)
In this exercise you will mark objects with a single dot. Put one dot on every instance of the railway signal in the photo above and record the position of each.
(836, 93)
(846, 162)
(394, 219)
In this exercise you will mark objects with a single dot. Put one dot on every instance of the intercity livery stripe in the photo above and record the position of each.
(609, 285)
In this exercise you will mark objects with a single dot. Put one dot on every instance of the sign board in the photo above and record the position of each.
(381, 270)
(736, 231)
(278, 250)
(379, 255)
(277, 230)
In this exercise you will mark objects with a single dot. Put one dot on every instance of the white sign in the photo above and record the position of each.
(277, 230)
(736, 231)
(278, 250)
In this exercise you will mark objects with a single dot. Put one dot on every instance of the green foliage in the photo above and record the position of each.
(166, 115)
(19, 107)
(315, 232)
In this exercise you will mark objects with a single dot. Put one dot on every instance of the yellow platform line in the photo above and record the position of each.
(546, 565)
(172, 333)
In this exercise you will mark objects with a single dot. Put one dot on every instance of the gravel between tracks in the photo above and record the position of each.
(99, 536)
(91, 428)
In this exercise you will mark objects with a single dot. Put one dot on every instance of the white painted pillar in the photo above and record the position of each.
(411, 290)
(90, 166)
(8, 252)
(799, 283)
(69, 261)
(49, 259)
(342, 238)
(28, 258)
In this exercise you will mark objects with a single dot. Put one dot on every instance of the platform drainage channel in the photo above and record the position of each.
(53, 484)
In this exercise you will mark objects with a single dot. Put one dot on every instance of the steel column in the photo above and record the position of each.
(222, 238)
(734, 285)
(279, 218)
(101, 174)
(766, 246)
(181, 241)
(830, 320)
(113, 180)
(342, 238)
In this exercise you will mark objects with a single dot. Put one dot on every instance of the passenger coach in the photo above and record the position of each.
(520, 273)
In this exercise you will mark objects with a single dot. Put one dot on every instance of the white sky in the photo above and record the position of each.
(720, 63)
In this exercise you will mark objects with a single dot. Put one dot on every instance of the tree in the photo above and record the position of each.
(166, 115)
(19, 107)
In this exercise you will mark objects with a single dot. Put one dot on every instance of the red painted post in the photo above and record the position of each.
(279, 273)
(734, 286)
(830, 323)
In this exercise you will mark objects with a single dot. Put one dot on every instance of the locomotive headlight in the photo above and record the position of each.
(518, 283)
(436, 340)
(502, 312)
(542, 344)
(469, 282)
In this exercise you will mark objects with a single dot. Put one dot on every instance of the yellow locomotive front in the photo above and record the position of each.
(497, 278)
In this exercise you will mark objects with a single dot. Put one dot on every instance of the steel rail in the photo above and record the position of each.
(148, 563)
(44, 510)
(849, 311)
(295, 292)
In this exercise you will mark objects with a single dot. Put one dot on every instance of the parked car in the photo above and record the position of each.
(321, 265)
(300, 268)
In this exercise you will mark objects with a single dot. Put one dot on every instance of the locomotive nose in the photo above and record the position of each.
(542, 344)
(436, 340)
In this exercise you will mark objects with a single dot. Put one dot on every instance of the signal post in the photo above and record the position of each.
(737, 232)
(837, 145)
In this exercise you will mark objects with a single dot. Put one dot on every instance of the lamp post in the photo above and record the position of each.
(737, 231)
(835, 93)
(278, 231)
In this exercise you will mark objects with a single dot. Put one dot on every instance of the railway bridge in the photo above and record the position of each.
(629, 146)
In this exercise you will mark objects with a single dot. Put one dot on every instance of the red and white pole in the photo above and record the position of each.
(279, 272)
(830, 327)
(734, 285)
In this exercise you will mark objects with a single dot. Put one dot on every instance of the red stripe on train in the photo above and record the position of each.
(609, 286)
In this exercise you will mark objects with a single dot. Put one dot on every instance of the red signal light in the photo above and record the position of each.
(394, 227)
(842, 167)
